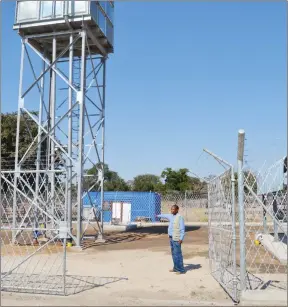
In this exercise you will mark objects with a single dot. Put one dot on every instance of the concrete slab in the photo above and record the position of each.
(278, 249)
(267, 297)
(75, 248)
(101, 240)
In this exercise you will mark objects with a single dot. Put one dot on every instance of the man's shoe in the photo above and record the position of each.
(35, 242)
(180, 273)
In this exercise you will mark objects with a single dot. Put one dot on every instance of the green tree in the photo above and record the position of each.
(179, 180)
(112, 181)
(147, 182)
(28, 131)
(196, 185)
(8, 137)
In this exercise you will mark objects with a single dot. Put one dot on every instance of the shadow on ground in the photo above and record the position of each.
(192, 267)
(132, 235)
(159, 230)
(274, 284)
(78, 284)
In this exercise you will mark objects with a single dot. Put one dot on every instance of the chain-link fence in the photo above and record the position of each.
(193, 205)
(265, 212)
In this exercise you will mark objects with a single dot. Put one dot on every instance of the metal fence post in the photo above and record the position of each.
(241, 138)
(264, 201)
(275, 210)
(185, 205)
(151, 213)
(233, 212)
(209, 226)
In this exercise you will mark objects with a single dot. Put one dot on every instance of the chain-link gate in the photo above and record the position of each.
(248, 226)
(33, 232)
(222, 232)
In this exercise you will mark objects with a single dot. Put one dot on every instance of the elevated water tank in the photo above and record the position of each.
(38, 20)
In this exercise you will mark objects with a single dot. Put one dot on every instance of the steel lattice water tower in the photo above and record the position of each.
(65, 45)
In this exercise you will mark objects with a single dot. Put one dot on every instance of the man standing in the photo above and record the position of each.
(176, 232)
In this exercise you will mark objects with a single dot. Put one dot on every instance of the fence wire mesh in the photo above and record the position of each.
(265, 205)
(31, 250)
(34, 255)
(222, 240)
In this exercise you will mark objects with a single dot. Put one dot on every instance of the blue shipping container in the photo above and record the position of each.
(143, 204)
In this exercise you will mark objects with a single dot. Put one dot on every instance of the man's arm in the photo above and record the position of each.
(182, 229)
(165, 216)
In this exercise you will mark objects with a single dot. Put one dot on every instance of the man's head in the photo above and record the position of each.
(174, 209)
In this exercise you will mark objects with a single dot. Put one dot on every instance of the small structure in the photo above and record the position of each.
(34, 19)
(124, 207)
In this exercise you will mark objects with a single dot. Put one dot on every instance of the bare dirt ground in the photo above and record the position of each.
(134, 271)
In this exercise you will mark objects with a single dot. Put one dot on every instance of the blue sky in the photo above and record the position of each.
(186, 75)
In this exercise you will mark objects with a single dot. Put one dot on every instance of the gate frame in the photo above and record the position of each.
(235, 297)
